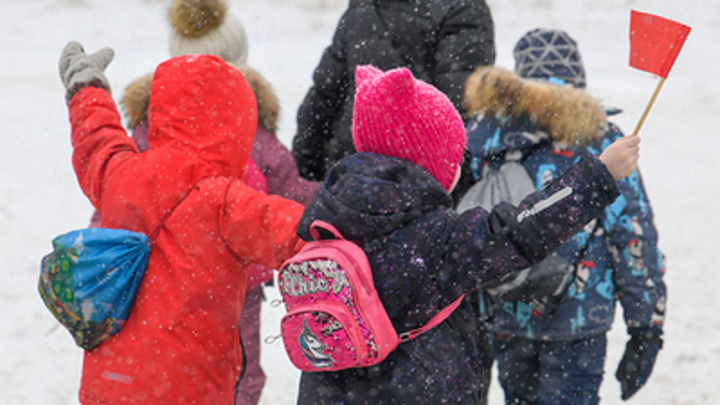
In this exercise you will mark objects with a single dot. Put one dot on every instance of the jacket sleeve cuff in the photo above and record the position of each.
(603, 177)
(646, 331)
(74, 90)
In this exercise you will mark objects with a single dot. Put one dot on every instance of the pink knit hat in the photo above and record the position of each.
(396, 115)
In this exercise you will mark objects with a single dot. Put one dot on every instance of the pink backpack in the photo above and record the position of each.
(335, 319)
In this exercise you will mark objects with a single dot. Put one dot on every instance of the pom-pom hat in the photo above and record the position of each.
(206, 27)
(396, 115)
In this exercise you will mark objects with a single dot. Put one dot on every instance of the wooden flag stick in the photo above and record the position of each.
(649, 106)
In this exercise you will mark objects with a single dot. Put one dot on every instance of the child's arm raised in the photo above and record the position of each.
(488, 246)
(98, 137)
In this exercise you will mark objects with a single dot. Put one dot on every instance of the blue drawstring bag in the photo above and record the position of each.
(90, 280)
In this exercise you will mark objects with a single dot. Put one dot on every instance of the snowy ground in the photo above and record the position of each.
(39, 197)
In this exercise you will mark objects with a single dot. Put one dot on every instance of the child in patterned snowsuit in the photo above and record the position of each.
(554, 352)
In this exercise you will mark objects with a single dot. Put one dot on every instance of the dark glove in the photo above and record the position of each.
(637, 362)
(78, 70)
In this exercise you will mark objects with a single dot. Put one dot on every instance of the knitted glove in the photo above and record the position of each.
(78, 70)
(637, 362)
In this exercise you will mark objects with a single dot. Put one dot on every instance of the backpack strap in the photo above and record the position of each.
(581, 256)
(433, 322)
(584, 249)
(318, 225)
(165, 217)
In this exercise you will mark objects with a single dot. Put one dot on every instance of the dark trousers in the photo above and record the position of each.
(533, 372)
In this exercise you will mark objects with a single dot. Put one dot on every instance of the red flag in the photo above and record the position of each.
(655, 42)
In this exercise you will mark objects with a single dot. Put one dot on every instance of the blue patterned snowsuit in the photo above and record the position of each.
(536, 343)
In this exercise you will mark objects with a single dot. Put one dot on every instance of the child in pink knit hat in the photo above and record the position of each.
(395, 115)
(392, 197)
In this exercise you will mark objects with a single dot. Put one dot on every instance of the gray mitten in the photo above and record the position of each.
(78, 70)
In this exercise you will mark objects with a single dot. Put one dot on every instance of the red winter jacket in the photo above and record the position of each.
(180, 344)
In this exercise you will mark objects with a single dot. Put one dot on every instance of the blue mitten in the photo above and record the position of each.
(637, 362)
(78, 70)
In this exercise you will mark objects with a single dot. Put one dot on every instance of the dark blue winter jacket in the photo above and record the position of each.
(423, 257)
(620, 261)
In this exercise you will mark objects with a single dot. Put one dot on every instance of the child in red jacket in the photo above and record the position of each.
(180, 343)
(208, 27)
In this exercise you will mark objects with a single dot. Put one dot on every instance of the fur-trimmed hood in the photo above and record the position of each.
(268, 104)
(569, 115)
(136, 100)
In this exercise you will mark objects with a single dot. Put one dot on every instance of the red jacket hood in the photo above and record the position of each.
(202, 105)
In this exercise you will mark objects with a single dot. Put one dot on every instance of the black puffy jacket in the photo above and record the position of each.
(423, 257)
(440, 41)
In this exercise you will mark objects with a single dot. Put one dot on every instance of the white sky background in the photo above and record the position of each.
(39, 196)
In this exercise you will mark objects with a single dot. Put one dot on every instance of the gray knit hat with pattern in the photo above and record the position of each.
(549, 54)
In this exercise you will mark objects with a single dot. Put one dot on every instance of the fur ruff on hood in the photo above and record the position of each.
(570, 115)
(137, 99)
(268, 104)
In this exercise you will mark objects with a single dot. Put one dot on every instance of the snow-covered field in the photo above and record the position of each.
(39, 197)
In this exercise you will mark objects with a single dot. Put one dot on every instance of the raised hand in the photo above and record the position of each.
(79, 70)
(621, 156)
